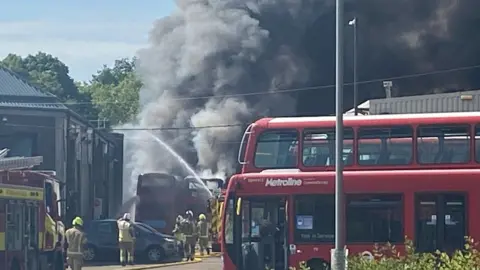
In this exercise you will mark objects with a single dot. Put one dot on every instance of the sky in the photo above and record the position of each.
(85, 34)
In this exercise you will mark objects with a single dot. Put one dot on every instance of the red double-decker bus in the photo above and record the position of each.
(162, 197)
(287, 174)
(274, 220)
(373, 142)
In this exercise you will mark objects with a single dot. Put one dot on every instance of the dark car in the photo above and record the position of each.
(150, 245)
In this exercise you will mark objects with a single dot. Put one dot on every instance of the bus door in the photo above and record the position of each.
(440, 222)
(263, 233)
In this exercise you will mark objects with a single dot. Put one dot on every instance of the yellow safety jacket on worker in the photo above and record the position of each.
(125, 231)
(177, 232)
(203, 229)
(190, 231)
(76, 240)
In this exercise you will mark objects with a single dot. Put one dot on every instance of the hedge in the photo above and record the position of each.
(387, 257)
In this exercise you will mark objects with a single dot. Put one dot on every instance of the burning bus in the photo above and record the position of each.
(162, 197)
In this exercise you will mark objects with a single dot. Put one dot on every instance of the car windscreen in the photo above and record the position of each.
(147, 228)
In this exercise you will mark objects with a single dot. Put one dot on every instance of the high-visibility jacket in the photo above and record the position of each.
(189, 230)
(177, 232)
(125, 231)
(76, 240)
(203, 229)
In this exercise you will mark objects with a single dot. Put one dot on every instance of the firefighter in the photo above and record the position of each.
(126, 239)
(189, 230)
(76, 240)
(203, 234)
(177, 231)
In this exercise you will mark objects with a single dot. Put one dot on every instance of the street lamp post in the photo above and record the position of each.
(338, 255)
(355, 85)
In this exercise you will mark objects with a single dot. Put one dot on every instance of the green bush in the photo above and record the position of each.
(387, 257)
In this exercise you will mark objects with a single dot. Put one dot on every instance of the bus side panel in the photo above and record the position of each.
(473, 217)
(3, 255)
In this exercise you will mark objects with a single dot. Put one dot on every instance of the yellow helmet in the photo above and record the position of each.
(78, 221)
(202, 217)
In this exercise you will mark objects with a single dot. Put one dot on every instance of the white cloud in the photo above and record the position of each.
(83, 46)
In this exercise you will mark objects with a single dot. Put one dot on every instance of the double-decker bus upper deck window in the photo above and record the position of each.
(438, 144)
(385, 145)
(319, 147)
(314, 218)
(374, 218)
(277, 149)
(150, 180)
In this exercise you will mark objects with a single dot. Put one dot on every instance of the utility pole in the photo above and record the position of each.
(355, 80)
(338, 255)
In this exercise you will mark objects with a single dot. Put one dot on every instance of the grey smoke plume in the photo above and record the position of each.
(222, 47)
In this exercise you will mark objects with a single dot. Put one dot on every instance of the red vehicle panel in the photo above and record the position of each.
(162, 197)
(28, 202)
(280, 219)
(374, 142)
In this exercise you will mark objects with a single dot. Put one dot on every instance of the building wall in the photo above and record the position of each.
(449, 102)
(84, 159)
(40, 128)
(116, 184)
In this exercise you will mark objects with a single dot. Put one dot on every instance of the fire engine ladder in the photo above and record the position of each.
(19, 163)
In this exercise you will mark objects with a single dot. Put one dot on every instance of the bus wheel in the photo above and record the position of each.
(318, 264)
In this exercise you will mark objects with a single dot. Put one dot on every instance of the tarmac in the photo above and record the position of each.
(198, 259)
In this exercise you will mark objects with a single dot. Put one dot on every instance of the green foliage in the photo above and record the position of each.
(115, 91)
(388, 258)
(50, 74)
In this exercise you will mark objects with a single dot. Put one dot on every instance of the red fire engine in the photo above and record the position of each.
(31, 232)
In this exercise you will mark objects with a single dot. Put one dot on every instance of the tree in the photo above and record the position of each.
(49, 74)
(115, 91)
(121, 69)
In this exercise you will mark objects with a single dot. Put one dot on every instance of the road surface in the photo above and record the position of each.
(205, 264)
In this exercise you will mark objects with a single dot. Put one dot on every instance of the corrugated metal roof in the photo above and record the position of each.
(30, 105)
(17, 93)
(448, 102)
(12, 85)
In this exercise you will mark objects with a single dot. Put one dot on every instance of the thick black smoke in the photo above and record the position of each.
(223, 47)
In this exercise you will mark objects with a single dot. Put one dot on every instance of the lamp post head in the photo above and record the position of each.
(353, 22)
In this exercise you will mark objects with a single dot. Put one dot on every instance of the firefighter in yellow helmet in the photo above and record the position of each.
(126, 239)
(76, 240)
(203, 234)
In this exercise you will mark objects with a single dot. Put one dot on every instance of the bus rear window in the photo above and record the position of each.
(319, 147)
(443, 144)
(277, 149)
(385, 146)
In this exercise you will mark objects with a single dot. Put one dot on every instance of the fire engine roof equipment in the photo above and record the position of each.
(19, 163)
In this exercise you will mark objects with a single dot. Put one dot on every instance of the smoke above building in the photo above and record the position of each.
(205, 59)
